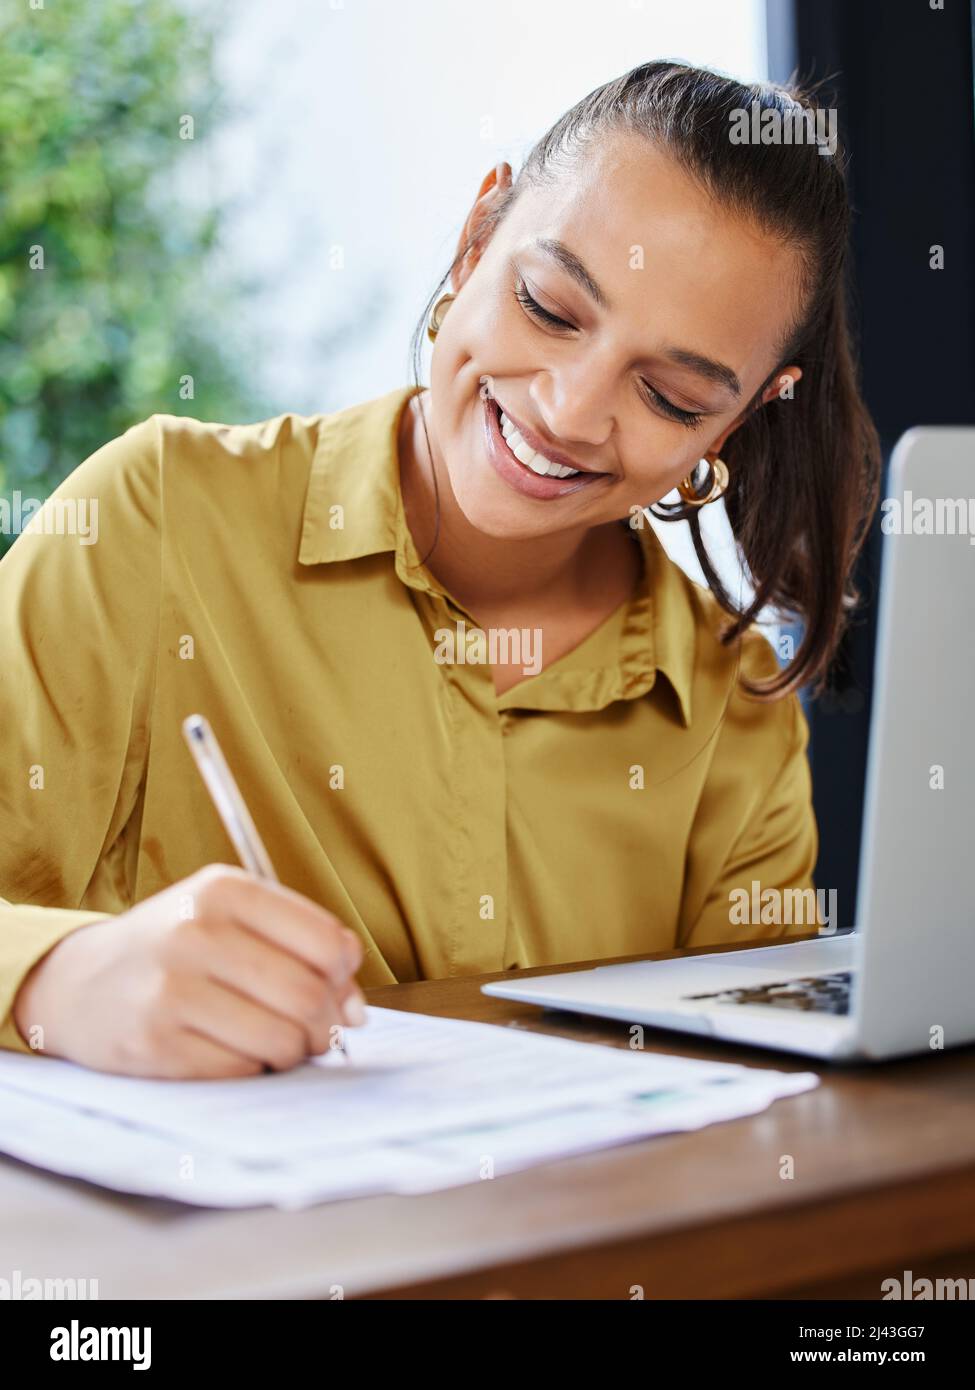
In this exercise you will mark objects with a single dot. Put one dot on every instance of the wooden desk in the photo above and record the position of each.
(884, 1161)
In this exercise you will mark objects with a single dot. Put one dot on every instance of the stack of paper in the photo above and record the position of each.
(423, 1103)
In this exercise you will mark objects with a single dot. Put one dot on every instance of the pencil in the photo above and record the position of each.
(231, 807)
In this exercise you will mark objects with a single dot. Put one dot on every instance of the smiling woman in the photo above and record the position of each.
(648, 305)
(646, 297)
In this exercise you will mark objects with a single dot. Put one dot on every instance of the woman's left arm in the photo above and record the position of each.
(752, 880)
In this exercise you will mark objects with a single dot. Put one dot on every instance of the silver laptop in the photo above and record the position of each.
(904, 981)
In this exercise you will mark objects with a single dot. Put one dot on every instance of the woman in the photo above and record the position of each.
(481, 719)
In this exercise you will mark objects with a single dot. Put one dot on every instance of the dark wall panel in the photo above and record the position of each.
(901, 72)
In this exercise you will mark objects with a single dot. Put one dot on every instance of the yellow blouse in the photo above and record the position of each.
(261, 575)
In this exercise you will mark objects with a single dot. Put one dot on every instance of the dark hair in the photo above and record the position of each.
(804, 476)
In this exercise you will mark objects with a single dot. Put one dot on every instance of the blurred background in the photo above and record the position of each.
(230, 209)
(262, 197)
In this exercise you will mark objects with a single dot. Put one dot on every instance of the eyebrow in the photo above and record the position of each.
(707, 367)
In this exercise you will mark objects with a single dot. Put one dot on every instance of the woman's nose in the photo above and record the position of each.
(574, 408)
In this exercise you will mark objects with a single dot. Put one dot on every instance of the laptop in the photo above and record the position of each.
(903, 981)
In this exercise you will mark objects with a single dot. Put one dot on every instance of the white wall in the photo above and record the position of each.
(369, 124)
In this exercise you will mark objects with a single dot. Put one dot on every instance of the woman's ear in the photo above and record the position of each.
(494, 185)
(781, 388)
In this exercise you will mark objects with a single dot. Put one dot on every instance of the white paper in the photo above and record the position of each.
(408, 1074)
(423, 1103)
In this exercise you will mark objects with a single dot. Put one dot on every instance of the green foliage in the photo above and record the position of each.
(128, 302)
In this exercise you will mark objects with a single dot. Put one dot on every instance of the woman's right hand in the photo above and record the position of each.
(215, 976)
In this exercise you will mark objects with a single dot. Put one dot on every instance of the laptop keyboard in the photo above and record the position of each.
(825, 994)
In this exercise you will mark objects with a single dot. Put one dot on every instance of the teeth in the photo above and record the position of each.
(525, 454)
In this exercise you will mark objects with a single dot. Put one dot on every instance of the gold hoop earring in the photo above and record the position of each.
(719, 485)
(437, 315)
